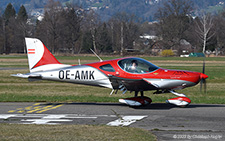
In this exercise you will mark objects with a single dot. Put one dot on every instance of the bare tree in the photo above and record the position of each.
(220, 35)
(125, 31)
(204, 26)
(90, 23)
(51, 22)
(70, 28)
(173, 21)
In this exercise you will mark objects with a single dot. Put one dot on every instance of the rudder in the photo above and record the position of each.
(38, 54)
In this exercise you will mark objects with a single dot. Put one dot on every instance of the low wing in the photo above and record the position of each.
(169, 84)
(146, 84)
(130, 84)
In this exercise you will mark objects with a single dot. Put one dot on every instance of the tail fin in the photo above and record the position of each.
(39, 57)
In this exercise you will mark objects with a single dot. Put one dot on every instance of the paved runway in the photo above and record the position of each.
(167, 122)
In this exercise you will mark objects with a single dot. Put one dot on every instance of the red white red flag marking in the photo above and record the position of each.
(31, 51)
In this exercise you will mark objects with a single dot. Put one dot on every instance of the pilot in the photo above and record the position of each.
(133, 67)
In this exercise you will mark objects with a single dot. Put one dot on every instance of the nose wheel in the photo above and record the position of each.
(181, 101)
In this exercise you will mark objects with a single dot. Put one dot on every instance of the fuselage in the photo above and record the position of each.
(107, 73)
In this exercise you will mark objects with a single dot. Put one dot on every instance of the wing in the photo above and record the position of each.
(131, 84)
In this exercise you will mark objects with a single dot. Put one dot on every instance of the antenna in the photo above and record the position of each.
(96, 55)
(79, 61)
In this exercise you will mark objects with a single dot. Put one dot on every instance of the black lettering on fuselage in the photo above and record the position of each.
(61, 74)
(78, 75)
(84, 74)
(91, 75)
(67, 74)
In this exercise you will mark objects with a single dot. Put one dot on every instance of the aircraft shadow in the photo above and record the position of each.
(86, 103)
(152, 106)
(165, 106)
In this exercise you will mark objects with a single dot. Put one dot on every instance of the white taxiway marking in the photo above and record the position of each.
(47, 119)
(54, 116)
(125, 120)
(6, 116)
(57, 118)
(44, 121)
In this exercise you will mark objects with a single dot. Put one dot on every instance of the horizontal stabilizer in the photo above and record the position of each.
(34, 78)
(20, 75)
(29, 76)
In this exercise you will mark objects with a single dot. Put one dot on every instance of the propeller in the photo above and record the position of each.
(203, 77)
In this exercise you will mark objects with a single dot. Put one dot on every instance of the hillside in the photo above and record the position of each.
(145, 9)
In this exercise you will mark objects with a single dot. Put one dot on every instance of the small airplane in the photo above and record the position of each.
(125, 74)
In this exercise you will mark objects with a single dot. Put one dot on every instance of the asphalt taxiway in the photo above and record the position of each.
(167, 122)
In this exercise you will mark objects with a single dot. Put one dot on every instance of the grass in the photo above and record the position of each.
(13, 132)
(17, 89)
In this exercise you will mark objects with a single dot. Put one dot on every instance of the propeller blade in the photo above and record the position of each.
(201, 85)
(204, 86)
(203, 81)
(203, 68)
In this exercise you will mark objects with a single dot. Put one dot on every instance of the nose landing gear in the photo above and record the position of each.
(181, 101)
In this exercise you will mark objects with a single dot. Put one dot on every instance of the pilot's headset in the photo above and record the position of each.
(134, 64)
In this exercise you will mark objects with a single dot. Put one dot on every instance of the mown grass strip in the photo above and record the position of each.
(15, 132)
(46, 98)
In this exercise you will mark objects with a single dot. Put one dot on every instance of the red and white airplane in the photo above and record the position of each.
(125, 74)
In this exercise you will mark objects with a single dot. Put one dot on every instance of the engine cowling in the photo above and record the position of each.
(179, 101)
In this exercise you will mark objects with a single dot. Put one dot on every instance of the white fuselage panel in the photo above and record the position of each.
(81, 74)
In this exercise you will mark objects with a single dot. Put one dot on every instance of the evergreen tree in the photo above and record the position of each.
(9, 21)
(22, 14)
(104, 42)
(87, 42)
(9, 12)
(1, 35)
(20, 30)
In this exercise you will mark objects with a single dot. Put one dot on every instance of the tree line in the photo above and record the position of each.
(72, 29)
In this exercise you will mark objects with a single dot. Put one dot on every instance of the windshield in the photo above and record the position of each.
(137, 65)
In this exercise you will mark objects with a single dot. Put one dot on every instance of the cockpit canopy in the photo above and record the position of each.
(137, 65)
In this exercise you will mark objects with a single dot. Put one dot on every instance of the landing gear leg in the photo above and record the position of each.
(177, 94)
(142, 94)
(136, 94)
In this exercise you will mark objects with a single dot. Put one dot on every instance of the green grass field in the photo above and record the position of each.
(18, 89)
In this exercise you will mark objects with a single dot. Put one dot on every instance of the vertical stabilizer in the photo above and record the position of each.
(39, 55)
